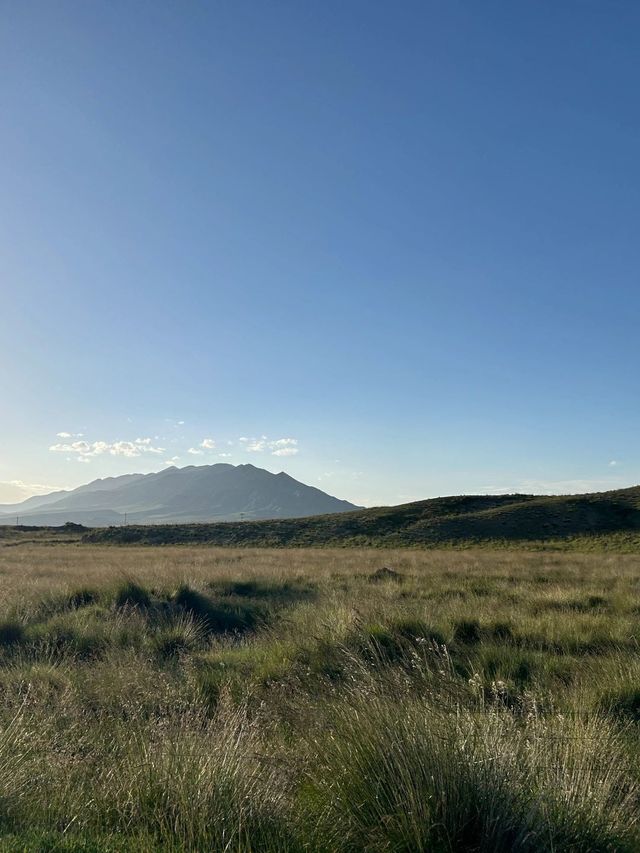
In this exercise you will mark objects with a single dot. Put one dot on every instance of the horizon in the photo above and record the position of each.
(501, 493)
(393, 248)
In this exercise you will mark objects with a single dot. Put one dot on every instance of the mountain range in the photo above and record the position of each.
(196, 493)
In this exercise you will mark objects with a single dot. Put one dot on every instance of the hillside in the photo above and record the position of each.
(200, 493)
(462, 520)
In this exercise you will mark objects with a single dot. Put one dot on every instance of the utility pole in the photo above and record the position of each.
(125, 519)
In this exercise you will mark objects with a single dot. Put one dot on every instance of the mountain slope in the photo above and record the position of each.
(195, 493)
(462, 520)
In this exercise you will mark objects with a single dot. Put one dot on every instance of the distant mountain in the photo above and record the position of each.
(463, 521)
(192, 494)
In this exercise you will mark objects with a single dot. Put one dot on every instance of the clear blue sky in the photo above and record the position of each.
(403, 236)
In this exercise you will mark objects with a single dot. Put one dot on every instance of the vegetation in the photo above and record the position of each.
(191, 699)
(602, 521)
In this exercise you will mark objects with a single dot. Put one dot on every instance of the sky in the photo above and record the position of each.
(390, 248)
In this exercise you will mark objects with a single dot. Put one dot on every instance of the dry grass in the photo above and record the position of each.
(261, 700)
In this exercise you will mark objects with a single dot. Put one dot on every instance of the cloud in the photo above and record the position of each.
(205, 444)
(285, 451)
(555, 487)
(172, 461)
(225, 455)
(69, 435)
(277, 447)
(85, 450)
(613, 463)
(15, 491)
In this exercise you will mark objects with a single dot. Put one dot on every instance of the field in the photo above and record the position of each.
(220, 699)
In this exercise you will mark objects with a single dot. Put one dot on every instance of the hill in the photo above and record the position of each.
(200, 493)
(461, 520)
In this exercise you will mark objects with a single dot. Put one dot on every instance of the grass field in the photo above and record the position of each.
(215, 699)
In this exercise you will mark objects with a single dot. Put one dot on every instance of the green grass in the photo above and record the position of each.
(601, 521)
(333, 700)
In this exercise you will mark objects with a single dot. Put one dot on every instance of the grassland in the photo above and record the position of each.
(599, 521)
(189, 699)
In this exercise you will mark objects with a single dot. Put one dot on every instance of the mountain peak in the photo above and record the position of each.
(218, 492)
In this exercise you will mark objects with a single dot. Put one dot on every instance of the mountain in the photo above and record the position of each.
(464, 520)
(195, 493)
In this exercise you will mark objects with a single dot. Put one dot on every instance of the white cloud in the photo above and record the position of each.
(69, 435)
(225, 455)
(277, 447)
(85, 450)
(555, 487)
(208, 444)
(171, 461)
(285, 451)
(613, 463)
(195, 451)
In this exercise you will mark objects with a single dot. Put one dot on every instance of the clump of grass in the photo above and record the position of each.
(132, 594)
(82, 597)
(11, 634)
(467, 631)
(385, 574)
(220, 617)
(624, 702)
(414, 778)
(177, 637)
(502, 632)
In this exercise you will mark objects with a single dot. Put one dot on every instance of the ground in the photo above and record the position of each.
(193, 698)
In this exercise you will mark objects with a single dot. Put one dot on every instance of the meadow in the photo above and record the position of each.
(222, 699)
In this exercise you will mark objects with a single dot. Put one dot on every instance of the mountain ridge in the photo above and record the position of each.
(464, 520)
(195, 493)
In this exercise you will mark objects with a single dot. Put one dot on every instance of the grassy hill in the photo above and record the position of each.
(605, 518)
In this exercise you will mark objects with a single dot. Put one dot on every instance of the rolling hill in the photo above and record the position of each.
(195, 493)
(462, 520)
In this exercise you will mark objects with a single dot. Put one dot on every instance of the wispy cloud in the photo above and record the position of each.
(277, 447)
(207, 444)
(85, 450)
(69, 435)
(15, 491)
(556, 487)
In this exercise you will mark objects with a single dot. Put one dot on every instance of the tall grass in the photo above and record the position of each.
(190, 700)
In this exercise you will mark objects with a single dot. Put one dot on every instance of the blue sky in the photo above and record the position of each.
(401, 239)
